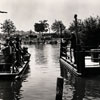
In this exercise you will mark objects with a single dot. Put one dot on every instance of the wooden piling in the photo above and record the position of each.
(80, 60)
(59, 88)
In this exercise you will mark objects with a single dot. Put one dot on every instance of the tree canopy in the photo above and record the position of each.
(58, 26)
(42, 26)
(88, 30)
(8, 27)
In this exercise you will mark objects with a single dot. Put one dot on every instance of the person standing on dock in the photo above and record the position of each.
(18, 51)
(73, 45)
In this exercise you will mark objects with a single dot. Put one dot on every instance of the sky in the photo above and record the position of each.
(24, 13)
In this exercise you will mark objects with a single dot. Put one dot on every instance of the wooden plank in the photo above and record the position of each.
(9, 74)
(70, 67)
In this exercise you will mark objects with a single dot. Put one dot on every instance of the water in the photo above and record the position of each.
(44, 69)
(39, 82)
(77, 88)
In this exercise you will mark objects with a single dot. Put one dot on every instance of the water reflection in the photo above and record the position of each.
(11, 89)
(44, 70)
(77, 88)
(39, 82)
(41, 54)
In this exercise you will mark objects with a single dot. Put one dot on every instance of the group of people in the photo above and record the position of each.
(13, 50)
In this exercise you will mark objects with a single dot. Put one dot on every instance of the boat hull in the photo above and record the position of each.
(19, 74)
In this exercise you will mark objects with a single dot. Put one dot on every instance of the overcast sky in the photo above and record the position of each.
(24, 13)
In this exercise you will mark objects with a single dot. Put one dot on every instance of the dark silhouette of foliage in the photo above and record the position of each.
(89, 31)
(42, 26)
(79, 26)
(66, 34)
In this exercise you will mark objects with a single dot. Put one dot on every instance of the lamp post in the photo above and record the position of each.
(76, 30)
(80, 57)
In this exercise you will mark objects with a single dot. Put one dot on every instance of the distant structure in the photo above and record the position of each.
(3, 12)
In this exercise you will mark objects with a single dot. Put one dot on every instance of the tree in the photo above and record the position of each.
(79, 26)
(66, 33)
(42, 26)
(58, 27)
(89, 31)
(8, 26)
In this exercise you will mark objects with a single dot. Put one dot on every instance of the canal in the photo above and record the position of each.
(39, 81)
(44, 70)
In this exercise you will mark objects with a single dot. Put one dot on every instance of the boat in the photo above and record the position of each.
(75, 58)
(14, 58)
